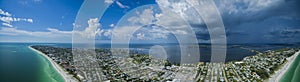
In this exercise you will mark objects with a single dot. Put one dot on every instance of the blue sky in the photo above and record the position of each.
(245, 21)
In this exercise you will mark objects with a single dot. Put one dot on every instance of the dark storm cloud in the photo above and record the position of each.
(287, 33)
(202, 32)
(254, 21)
(244, 14)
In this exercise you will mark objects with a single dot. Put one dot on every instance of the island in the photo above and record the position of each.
(264, 66)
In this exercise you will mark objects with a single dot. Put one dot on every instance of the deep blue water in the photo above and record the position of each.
(234, 51)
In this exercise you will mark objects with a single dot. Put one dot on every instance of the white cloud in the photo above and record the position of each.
(249, 7)
(163, 3)
(99, 32)
(111, 25)
(7, 18)
(58, 31)
(145, 18)
(51, 32)
(123, 32)
(159, 36)
(156, 32)
(13, 19)
(92, 29)
(29, 20)
(180, 32)
(4, 13)
(140, 36)
(177, 16)
(108, 1)
(107, 33)
(6, 24)
(180, 8)
(168, 23)
(121, 5)
(245, 6)
(176, 20)
(52, 35)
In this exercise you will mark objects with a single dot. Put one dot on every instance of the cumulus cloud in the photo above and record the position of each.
(92, 29)
(180, 8)
(181, 16)
(107, 33)
(145, 18)
(154, 25)
(176, 15)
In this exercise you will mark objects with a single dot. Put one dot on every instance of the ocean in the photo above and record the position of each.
(18, 63)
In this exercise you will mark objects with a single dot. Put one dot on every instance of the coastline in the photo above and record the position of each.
(67, 77)
(279, 73)
(275, 77)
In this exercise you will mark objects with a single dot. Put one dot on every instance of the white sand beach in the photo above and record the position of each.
(66, 76)
(279, 73)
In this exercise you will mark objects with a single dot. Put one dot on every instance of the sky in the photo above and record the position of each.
(245, 21)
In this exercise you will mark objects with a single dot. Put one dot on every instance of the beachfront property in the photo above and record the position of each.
(142, 67)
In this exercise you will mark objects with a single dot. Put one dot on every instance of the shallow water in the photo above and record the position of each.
(293, 73)
(18, 63)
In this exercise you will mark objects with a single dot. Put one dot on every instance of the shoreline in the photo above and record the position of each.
(276, 77)
(66, 76)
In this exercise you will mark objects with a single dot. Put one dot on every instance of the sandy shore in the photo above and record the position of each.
(279, 73)
(66, 76)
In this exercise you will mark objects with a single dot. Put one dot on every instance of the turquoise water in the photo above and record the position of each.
(293, 73)
(18, 63)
